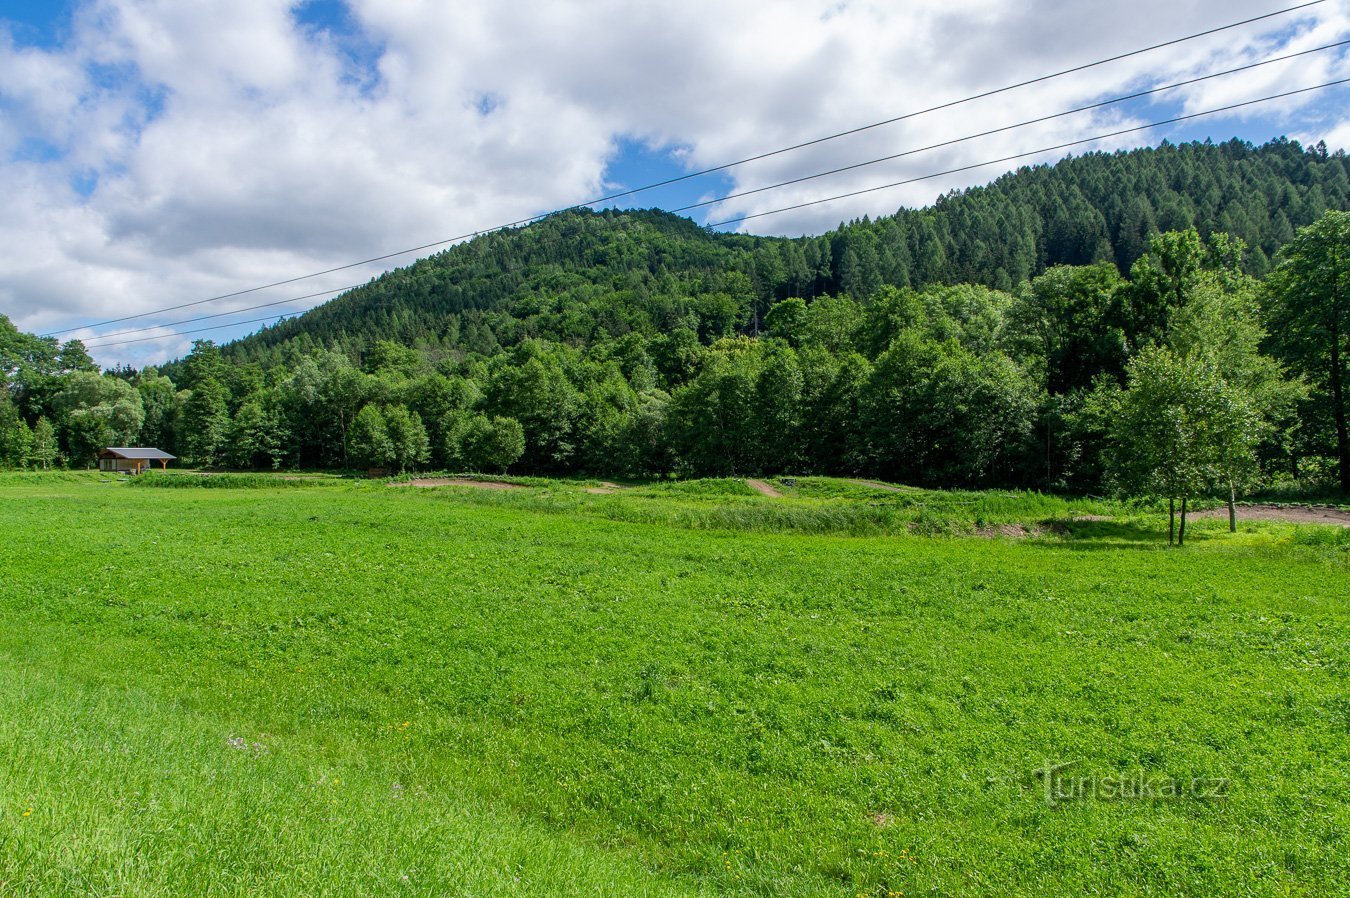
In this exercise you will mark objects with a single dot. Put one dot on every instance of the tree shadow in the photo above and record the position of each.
(1090, 535)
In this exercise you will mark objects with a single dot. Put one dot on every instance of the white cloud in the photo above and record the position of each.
(166, 152)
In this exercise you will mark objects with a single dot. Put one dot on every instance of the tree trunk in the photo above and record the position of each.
(1171, 521)
(1049, 468)
(1181, 534)
(1232, 507)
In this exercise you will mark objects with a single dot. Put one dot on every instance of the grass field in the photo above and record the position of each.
(333, 688)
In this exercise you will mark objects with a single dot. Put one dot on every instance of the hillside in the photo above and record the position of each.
(582, 277)
(1025, 334)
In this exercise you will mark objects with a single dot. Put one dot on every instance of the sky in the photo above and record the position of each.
(155, 153)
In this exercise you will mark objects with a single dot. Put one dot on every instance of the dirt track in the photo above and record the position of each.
(1289, 514)
(763, 489)
(460, 481)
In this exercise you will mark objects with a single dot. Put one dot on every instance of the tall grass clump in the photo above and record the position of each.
(223, 481)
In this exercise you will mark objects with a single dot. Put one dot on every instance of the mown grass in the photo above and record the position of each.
(297, 692)
(813, 506)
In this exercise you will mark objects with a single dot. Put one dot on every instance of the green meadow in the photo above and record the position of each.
(325, 687)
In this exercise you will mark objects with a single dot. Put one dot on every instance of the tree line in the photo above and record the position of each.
(637, 343)
(1188, 377)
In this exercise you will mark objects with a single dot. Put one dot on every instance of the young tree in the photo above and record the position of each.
(1179, 431)
(45, 450)
(1310, 321)
(1220, 327)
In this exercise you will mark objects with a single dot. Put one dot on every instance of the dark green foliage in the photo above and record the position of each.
(1310, 327)
(205, 421)
(937, 413)
(95, 412)
(491, 444)
(586, 277)
(980, 341)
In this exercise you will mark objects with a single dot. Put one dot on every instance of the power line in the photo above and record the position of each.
(199, 330)
(265, 305)
(1034, 121)
(1061, 146)
(953, 103)
(964, 168)
(857, 165)
(702, 172)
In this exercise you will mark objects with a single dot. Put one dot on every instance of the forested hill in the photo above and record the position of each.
(582, 277)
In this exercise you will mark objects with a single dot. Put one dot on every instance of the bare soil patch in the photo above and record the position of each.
(604, 489)
(460, 481)
(763, 489)
(1288, 514)
(1012, 531)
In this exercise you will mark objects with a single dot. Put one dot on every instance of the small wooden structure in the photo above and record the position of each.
(132, 459)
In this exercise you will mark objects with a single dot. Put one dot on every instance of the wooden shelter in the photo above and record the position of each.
(132, 459)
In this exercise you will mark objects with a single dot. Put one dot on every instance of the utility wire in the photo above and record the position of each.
(964, 168)
(198, 330)
(857, 165)
(1034, 121)
(812, 177)
(265, 305)
(1061, 146)
(702, 172)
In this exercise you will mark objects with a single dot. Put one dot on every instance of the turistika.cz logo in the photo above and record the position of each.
(1061, 784)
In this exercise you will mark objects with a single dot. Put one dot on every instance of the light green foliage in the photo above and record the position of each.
(94, 412)
(491, 444)
(395, 358)
(162, 404)
(832, 322)
(45, 451)
(1180, 430)
(256, 439)
(16, 439)
(371, 444)
(408, 440)
(361, 689)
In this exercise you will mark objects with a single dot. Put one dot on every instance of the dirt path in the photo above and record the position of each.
(1288, 514)
(878, 485)
(460, 481)
(763, 489)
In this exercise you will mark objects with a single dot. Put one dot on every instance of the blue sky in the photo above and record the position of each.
(155, 153)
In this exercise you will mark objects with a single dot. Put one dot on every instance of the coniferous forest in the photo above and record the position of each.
(1170, 321)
